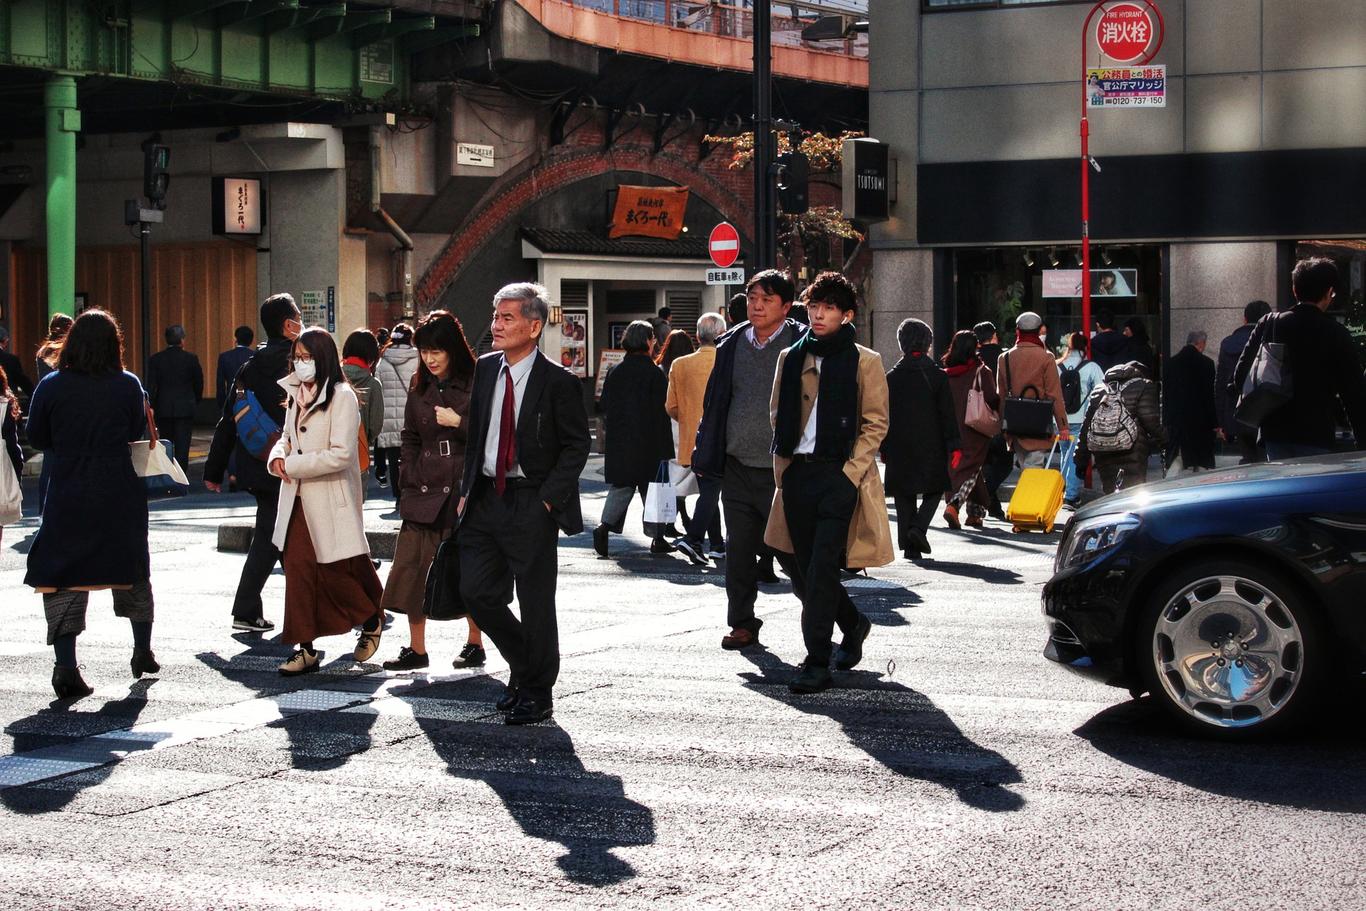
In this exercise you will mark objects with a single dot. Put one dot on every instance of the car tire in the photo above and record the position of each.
(1231, 649)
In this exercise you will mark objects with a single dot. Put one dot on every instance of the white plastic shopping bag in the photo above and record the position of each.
(661, 500)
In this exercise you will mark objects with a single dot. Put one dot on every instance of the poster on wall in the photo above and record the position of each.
(574, 342)
(615, 333)
(1104, 282)
(607, 359)
(317, 308)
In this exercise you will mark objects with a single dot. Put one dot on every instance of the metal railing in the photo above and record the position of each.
(717, 18)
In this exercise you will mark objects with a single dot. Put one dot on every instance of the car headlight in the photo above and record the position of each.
(1093, 537)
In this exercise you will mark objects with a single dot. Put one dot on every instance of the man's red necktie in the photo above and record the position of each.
(507, 437)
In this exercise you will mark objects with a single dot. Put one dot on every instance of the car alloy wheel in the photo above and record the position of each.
(1229, 648)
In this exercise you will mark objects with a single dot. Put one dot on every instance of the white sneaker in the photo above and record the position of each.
(301, 662)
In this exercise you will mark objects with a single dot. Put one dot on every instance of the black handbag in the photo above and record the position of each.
(1025, 416)
(441, 600)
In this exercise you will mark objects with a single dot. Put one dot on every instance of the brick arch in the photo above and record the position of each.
(513, 193)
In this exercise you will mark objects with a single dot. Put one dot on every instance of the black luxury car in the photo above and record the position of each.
(1233, 596)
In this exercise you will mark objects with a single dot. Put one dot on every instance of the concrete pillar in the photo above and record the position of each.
(63, 121)
(902, 287)
(1210, 284)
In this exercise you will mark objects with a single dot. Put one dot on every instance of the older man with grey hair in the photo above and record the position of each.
(526, 446)
(1189, 411)
(175, 384)
(687, 388)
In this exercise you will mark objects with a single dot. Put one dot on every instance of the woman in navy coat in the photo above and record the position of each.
(94, 530)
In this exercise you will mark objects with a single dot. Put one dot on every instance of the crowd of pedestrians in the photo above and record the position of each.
(776, 424)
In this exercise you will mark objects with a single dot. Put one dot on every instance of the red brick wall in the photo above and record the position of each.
(581, 156)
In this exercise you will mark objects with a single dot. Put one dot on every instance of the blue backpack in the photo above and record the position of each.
(256, 429)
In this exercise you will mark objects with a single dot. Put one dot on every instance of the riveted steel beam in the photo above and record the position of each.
(371, 34)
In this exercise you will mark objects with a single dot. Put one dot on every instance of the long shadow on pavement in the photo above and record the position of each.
(315, 741)
(1314, 770)
(900, 728)
(34, 740)
(544, 785)
(992, 575)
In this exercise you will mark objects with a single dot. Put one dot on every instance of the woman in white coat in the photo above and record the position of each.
(330, 584)
(394, 370)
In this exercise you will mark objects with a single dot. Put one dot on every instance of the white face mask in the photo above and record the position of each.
(306, 371)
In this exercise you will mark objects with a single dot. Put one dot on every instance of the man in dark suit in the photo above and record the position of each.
(175, 384)
(528, 442)
(231, 361)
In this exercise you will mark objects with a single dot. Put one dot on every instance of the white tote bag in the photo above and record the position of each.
(682, 478)
(661, 499)
(11, 494)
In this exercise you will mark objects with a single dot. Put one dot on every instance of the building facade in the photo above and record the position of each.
(1257, 158)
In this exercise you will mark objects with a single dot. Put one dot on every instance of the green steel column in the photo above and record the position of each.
(63, 122)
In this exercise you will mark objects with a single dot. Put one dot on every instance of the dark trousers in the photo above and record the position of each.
(386, 463)
(261, 558)
(178, 431)
(1249, 450)
(998, 466)
(706, 515)
(911, 516)
(747, 497)
(510, 541)
(819, 502)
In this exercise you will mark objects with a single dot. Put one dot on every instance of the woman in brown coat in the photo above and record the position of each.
(967, 486)
(431, 464)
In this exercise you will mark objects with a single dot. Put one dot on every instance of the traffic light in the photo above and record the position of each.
(156, 175)
(794, 172)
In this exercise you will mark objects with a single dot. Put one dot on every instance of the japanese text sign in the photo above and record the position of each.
(1124, 32)
(1126, 87)
(649, 212)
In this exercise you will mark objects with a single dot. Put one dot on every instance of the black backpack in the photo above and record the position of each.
(1071, 387)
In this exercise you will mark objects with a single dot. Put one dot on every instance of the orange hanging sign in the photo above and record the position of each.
(649, 212)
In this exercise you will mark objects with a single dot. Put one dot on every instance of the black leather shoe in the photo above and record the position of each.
(509, 698)
(600, 540)
(660, 546)
(470, 656)
(850, 652)
(766, 575)
(922, 541)
(68, 684)
(144, 662)
(812, 679)
(530, 711)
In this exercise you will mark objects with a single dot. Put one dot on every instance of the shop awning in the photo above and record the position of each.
(550, 241)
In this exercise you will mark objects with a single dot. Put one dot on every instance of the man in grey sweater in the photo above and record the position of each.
(735, 441)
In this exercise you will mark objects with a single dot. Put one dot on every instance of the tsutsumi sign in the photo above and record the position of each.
(866, 180)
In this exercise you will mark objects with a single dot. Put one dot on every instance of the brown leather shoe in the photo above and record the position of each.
(739, 638)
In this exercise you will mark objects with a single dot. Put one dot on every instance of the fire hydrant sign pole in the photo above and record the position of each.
(1126, 33)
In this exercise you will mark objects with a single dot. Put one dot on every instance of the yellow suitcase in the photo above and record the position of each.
(1038, 497)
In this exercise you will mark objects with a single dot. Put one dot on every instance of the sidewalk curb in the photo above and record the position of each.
(235, 538)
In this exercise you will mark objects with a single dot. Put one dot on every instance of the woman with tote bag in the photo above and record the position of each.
(970, 382)
(431, 468)
(94, 532)
(11, 495)
(330, 584)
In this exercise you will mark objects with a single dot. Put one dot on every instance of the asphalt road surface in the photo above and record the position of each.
(954, 769)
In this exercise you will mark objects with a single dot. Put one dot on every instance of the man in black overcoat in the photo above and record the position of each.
(175, 384)
(1189, 413)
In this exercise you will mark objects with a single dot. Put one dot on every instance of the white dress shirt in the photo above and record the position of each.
(520, 371)
(807, 443)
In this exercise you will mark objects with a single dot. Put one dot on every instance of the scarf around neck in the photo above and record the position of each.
(1028, 338)
(837, 422)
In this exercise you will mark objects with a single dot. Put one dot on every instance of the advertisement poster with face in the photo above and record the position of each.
(574, 342)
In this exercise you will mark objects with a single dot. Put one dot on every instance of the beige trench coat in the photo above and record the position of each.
(322, 460)
(870, 533)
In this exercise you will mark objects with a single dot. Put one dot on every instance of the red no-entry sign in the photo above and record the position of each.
(1124, 32)
(724, 245)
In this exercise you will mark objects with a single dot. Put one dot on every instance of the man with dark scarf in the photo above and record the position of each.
(830, 417)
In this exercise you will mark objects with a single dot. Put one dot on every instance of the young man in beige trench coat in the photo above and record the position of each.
(829, 409)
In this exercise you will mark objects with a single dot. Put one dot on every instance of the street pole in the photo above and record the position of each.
(144, 238)
(62, 122)
(765, 214)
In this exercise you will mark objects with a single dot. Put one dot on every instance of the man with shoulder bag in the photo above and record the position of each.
(1032, 409)
(257, 402)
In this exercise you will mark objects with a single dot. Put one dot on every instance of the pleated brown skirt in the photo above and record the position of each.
(324, 599)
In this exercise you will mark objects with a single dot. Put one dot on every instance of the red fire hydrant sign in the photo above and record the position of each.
(1124, 32)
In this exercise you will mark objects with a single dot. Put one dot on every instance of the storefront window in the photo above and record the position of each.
(1000, 283)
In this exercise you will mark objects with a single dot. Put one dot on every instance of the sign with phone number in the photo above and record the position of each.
(1126, 87)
